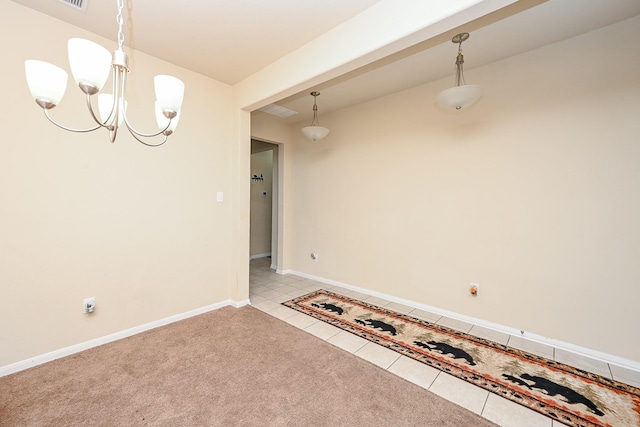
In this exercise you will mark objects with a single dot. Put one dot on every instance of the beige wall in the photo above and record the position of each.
(533, 193)
(138, 228)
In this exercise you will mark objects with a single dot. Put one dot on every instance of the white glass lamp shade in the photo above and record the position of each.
(169, 92)
(163, 120)
(315, 133)
(90, 63)
(47, 82)
(106, 107)
(459, 97)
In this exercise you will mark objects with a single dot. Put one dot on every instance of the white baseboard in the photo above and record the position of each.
(67, 351)
(241, 303)
(256, 256)
(594, 354)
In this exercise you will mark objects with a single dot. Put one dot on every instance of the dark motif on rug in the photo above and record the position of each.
(567, 394)
(445, 348)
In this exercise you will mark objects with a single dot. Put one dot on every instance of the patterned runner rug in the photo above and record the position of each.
(569, 395)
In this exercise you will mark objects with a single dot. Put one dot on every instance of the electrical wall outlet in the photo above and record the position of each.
(89, 304)
(474, 288)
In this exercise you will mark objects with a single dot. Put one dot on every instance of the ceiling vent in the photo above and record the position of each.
(278, 110)
(76, 4)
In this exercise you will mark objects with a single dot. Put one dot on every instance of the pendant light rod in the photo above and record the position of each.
(459, 38)
(315, 121)
(91, 65)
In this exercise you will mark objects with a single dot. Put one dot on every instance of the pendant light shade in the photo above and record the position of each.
(90, 63)
(47, 83)
(315, 132)
(458, 97)
(169, 92)
(461, 95)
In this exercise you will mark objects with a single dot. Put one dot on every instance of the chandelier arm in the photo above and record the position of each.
(93, 114)
(46, 113)
(132, 130)
(113, 114)
(166, 137)
(144, 135)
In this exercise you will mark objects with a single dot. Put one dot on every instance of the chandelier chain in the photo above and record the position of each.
(120, 22)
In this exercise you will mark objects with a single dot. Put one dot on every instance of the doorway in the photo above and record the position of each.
(264, 202)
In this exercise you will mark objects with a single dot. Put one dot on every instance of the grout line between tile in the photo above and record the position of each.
(484, 405)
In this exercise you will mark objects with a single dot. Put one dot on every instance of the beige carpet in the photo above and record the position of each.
(230, 367)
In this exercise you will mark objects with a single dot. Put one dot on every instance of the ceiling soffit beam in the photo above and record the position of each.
(383, 29)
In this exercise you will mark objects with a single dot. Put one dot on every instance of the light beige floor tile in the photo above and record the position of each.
(283, 313)
(378, 355)
(625, 375)
(510, 414)
(323, 330)
(259, 290)
(414, 371)
(458, 325)
(288, 279)
(356, 295)
(301, 320)
(274, 285)
(583, 362)
(261, 279)
(255, 299)
(400, 308)
(282, 298)
(377, 301)
(348, 341)
(425, 315)
(490, 334)
(306, 287)
(286, 289)
(459, 392)
(267, 306)
(271, 294)
(532, 347)
(297, 293)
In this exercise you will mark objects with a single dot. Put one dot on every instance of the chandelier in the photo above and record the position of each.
(315, 132)
(461, 95)
(91, 65)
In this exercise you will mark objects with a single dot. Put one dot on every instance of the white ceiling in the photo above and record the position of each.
(227, 40)
(230, 40)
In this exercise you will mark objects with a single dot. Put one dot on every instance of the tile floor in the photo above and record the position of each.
(268, 290)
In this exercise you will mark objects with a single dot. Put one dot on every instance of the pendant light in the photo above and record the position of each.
(315, 132)
(91, 65)
(461, 95)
